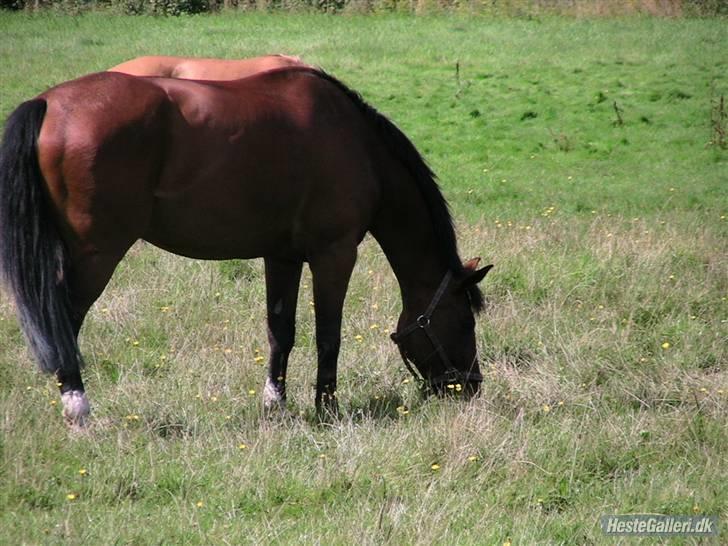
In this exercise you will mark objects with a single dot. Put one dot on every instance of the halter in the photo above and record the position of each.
(451, 374)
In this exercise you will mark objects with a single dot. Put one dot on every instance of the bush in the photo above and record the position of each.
(12, 4)
(132, 7)
(509, 8)
(165, 7)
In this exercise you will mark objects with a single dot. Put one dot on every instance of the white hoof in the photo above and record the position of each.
(76, 408)
(272, 399)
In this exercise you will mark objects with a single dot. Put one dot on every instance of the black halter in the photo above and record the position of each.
(451, 375)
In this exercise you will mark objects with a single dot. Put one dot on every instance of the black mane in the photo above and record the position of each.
(426, 180)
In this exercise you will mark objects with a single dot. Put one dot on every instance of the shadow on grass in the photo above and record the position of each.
(385, 407)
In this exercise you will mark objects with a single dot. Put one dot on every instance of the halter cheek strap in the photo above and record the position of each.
(423, 323)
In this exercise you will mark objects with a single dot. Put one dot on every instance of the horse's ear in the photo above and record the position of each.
(472, 275)
(471, 264)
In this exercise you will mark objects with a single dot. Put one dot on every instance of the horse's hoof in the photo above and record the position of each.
(273, 401)
(76, 409)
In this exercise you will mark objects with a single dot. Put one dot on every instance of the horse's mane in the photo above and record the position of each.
(426, 180)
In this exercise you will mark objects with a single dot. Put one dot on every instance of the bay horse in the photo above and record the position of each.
(199, 68)
(290, 165)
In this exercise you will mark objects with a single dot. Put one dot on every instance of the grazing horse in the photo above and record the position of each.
(289, 165)
(197, 68)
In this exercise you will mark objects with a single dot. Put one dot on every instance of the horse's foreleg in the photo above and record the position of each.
(281, 280)
(331, 269)
(88, 276)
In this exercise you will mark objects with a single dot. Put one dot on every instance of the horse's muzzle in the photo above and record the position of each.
(461, 387)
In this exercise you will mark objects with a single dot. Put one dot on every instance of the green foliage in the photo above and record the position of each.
(528, 9)
(164, 7)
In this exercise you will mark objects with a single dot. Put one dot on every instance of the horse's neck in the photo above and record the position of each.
(404, 230)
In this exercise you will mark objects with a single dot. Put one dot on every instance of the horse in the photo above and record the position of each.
(290, 165)
(199, 68)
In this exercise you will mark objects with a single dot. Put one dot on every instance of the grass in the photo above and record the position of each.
(603, 342)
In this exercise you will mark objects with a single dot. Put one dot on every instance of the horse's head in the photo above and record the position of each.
(440, 340)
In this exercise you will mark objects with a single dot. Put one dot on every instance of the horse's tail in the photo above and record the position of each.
(33, 256)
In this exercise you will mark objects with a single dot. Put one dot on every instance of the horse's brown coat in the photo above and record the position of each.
(288, 165)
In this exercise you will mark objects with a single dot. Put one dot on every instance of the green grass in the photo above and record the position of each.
(609, 242)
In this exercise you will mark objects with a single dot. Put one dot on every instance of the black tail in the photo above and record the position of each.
(32, 255)
(426, 180)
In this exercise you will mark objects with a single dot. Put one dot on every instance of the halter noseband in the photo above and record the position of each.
(451, 374)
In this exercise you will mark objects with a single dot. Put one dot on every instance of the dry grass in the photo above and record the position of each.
(581, 400)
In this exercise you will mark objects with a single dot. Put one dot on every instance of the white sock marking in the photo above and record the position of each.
(271, 397)
(76, 408)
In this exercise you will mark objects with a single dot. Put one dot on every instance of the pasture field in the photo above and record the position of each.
(578, 155)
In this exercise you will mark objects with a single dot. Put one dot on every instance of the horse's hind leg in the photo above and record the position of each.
(87, 277)
(281, 280)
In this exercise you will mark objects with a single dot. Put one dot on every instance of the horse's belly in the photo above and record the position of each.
(219, 234)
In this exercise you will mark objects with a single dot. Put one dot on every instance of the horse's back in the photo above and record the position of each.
(199, 68)
(231, 69)
(149, 65)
